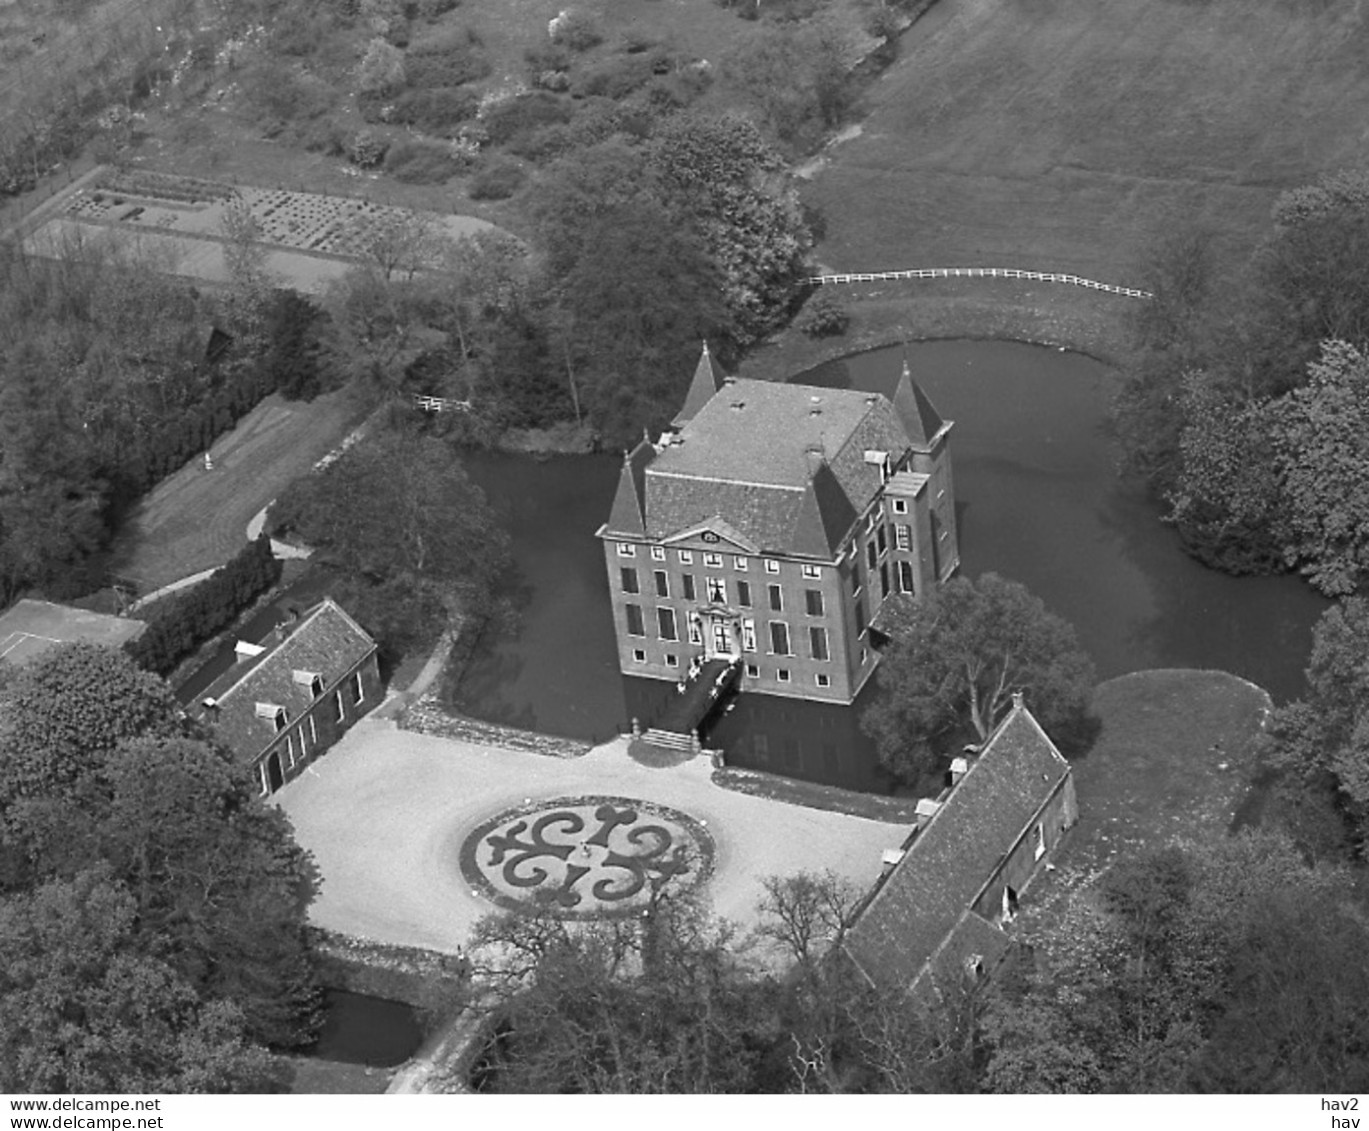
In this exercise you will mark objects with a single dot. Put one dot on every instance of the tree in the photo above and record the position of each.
(84, 1009)
(71, 707)
(954, 661)
(796, 75)
(662, 1004)
(293, 355)
(397, 510)
(1321, 448)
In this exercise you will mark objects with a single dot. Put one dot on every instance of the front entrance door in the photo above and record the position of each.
(723, 644)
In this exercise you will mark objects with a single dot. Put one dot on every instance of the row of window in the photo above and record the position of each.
(714, 561)
(716, 587)
(753, 671)
(668, 629)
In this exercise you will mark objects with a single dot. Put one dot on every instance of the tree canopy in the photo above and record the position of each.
(140, 852)
(954, 660)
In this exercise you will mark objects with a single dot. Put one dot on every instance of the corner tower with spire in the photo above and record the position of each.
(771, 524)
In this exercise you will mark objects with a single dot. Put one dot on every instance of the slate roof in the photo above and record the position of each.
(707, 380)
(783, 464)
(924, 902)
(326, 642)
(919, 416)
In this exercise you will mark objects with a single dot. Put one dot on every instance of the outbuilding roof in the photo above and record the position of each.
(326, 642)
(926, 900)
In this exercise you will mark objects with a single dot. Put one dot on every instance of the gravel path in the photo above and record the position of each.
(385, 813)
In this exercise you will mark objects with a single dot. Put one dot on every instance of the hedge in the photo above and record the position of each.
(186, 620)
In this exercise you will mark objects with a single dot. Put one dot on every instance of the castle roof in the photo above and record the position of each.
(923, 910)
(915, 409)
(707, 380)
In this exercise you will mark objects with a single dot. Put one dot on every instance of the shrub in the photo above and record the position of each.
(546, 57)
(183, 622)
(576, 30)
(498, 179)
(420, 163)
(523, 114)
(824, 316)
(620, 75)
(448, 59)
(382, 68)
(438, 110)
(431, 9)
(366, 149)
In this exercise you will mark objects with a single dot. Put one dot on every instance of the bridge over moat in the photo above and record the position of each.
(699, 696)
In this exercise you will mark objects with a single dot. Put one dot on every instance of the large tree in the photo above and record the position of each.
(954, 660)
(85, 1008)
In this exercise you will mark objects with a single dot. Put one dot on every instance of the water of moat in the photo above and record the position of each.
(1039, 502)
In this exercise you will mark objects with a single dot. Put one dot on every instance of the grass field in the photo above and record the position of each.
(1175, 758)
(197, 519)
(1068, 135)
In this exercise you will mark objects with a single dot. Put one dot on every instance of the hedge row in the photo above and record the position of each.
(187, 620)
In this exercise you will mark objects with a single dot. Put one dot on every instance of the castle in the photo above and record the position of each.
(769, 525)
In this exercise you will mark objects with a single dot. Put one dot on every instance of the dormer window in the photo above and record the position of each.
(273, 713)
(900, 506)
(312, 680)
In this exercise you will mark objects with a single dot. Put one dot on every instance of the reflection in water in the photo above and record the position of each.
(1039, 503)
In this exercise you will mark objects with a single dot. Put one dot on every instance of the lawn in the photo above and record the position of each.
(1068, 135)
(197, 519)
(1175, 758)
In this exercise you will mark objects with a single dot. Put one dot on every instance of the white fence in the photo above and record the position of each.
(441, 404)
(977, 273)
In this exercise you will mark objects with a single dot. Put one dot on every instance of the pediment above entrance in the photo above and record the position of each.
(714, 535)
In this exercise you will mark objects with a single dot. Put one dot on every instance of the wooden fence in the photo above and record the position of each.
(976, 273)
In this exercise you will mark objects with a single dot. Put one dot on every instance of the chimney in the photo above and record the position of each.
(926, 810)
(1017, 700)
(816, 458)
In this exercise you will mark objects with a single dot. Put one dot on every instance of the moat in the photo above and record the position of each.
(1039, 502)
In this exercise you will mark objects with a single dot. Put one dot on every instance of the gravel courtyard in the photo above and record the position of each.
(385, 813)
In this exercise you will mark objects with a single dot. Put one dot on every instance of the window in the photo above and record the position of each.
(627, 550)
(823, 680)
(776, 599)
(629, 576)
(1040, 842)
(713, 561)
(871, 555)
(313, 730)
(672, 660)
(686, 557)
(864, 655)
(811, 572)
(753, 672)
(882, 539)
(665, 623)
(748, 635)
(860, 617)
(900, 506)
(903, 536)
(744, 594)
(905, 577)
(638, 656)
(817, 644)
(772, 567)
(662, 583)
(360, 686)
(341, 708)
(658, 553)
(779, 638)
(280, 719)
(740, 563)
(635, 624)
(812, 600)
(687, 586)
(696, 632)
(869, 522)
(316, 686)
(782, 674)
(717, 591)
(290, 750)
(265, 785)
(884, 579)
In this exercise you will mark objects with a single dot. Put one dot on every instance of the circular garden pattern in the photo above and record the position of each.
(585, 857)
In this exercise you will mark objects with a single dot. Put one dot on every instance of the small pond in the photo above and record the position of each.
(359, 1029)
(1039, 502)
